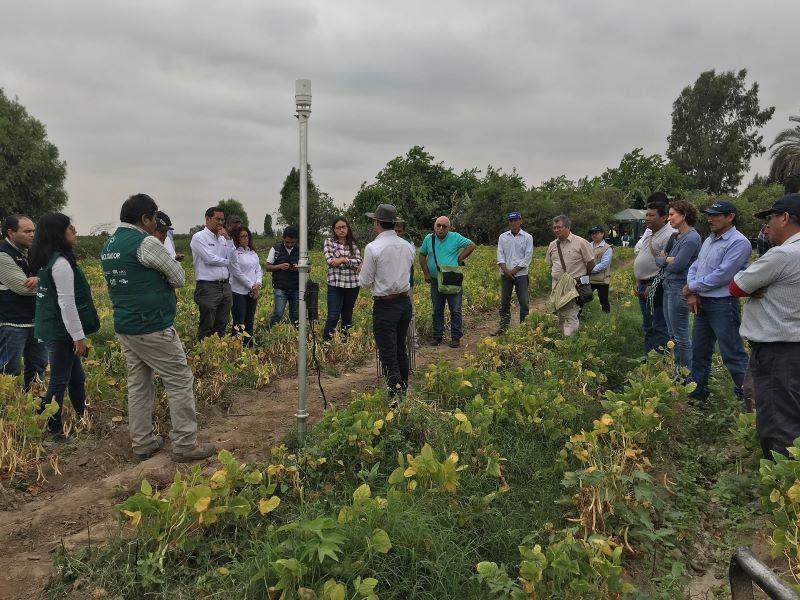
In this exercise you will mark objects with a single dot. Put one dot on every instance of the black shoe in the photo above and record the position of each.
(454, 343)
(436, 341)
(500, 331)
(57, 437)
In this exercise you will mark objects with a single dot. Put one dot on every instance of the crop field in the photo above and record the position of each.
(525, 466)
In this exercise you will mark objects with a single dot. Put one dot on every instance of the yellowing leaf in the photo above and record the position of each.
(267, 506)
(466, 383)
(461, 417)
(389, 416)
(202, 504)
(606, 419)
(135, 516)
(380, 541)
(410, 472)
(224, 571)
(453, 458)
(378, 424)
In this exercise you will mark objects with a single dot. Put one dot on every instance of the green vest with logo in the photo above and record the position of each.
(143, 300)
(48, 325)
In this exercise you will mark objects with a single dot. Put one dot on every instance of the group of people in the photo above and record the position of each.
(689, 293)
(47, 311)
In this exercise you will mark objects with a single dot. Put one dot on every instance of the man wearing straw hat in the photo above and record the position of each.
(386, 269)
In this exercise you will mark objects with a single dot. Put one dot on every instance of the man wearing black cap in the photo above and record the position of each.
(717, 313)
(164, 232)
(386, 269)
(771, 322)
(600, 277)
(514, 254)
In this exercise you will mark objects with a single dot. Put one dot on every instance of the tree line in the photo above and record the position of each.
(714, 136)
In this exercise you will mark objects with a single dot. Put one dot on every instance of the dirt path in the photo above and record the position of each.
(76, 507)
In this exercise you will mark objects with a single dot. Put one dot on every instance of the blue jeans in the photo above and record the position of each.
(281, 298)
(17, 344)
(454, 304)
(66, 374)
(243, 311)
(656, 334)
(676, 314)
(341, 302)
(718, 321)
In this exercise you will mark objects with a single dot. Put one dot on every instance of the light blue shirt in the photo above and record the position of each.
(606, 260)
(721, 257)
(447, 250)
(514, 251)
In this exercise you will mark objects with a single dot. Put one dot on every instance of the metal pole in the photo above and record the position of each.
(303, 102)
(745, 570)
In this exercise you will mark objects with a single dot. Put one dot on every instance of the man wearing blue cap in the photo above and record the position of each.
(771, 323)
(514, 253)
(717, 313)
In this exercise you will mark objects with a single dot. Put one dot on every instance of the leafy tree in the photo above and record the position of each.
(31, 174)
(232, 207)
(715, 126)
(418, 187)
(785, 153)
(321, 209)
(639, 176)
(268, 231)
(488, 204)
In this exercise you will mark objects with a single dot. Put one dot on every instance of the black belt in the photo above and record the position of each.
(391, 296)
(213, 280)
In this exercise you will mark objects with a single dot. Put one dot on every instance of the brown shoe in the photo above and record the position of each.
(140, 456)
(198, 452)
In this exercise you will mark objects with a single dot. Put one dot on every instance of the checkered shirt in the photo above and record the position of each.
(344, 276)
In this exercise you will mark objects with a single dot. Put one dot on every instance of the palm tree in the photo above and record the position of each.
(785, 153)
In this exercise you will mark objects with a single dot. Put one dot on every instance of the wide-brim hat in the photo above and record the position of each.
(385, 213)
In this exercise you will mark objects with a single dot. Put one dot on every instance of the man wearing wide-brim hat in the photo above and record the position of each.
(771, 322)
(386, 269)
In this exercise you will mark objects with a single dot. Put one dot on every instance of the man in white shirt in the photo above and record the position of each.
(771, 323)
(386, 269)
(212, 250)
(164, 234)
(514, 254)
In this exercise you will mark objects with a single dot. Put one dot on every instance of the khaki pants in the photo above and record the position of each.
(159, 353)
(568, 318)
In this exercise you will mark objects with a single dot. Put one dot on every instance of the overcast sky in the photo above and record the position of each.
(193, 102)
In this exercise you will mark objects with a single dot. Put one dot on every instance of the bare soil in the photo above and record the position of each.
(98, 470)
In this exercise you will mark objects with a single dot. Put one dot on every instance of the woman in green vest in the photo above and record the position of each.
(65, 314)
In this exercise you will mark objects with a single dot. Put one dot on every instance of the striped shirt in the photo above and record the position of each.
(346, 275)
(153, 254)
(776, 316)
(13, 278)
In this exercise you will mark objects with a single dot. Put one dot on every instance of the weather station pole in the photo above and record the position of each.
(302, 98)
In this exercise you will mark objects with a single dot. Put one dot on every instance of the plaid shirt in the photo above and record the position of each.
(344, 276)
(152, 253)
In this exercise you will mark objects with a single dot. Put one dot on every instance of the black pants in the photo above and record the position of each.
(341, 302)
(390, 320)
(244, 312)
(776, 379)
(602, 295)
(215, 301)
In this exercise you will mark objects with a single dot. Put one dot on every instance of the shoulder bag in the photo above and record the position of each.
(449, 278)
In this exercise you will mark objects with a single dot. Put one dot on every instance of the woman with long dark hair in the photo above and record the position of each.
(343, 258)
(65, 314)
(246, 278)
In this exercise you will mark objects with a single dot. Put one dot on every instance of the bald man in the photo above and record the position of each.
(450, 249)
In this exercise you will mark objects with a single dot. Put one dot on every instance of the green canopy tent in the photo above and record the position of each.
(629, 222)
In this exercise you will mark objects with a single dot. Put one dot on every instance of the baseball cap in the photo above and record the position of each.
(597, 229)
(790, 203)
(721, 207)
(163, 222)
(513, 215)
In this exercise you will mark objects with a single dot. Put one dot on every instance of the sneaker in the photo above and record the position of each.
(454, 343)
(198, 452)
(436, 341)
(140, 456)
